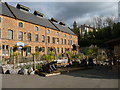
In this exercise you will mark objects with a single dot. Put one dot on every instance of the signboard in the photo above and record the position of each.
(20, 44)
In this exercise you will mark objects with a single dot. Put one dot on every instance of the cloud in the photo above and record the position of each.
(69, 12)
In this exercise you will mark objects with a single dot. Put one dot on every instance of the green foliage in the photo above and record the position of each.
(91, 50)
(40, 49)
(48, 57)
(16, 54)
(35, 54)
(101, 36)
(38, 66)
(74, 57)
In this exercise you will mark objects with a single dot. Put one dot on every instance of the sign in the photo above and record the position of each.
(20, 44)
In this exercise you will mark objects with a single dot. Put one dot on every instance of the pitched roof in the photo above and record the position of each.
(14, 12)
(5, 11)
(29, 17)
(64, 28)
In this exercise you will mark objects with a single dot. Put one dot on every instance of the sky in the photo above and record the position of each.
(68, 12)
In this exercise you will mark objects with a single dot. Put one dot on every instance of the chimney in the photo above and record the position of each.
(61, 23)
(38, 14)
(19, 6)
(54, 20)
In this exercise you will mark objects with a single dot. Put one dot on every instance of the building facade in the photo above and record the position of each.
(85, 29)
(27, 32)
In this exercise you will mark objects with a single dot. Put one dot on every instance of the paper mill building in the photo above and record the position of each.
(26, 32)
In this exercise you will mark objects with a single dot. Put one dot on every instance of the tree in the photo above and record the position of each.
(74, 25)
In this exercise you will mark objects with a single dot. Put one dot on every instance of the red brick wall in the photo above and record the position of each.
(10, 23)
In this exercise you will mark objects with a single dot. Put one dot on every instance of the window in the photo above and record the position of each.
(36, 37)
(5, 50)
(48, 31)
(48, 39)
(70, 36)
(43, 38)
(0, 33)
(64, 35)
(58, 50)
(20, 24)
(29, 36)
(48, 49)
(36, 49)
(20, 35)
(57, 33)
(64, 41)
(0, 19)
(10, 34)
(69, 42)
(53, 40)
(57, 40)
(29, 50)
(43, 49)
(36, 28)
(62, 50)
(61, 41)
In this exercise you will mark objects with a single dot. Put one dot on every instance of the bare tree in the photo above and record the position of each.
(110, 21)
(101, 22)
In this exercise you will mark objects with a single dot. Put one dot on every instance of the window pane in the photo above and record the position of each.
(65, 41)
(36, 28)
(3, 47)
(43, 38)
(29, 49)
(57, 33)
(7, 47)
(29, 36)
(36, 37)
(20, 24)
(0, 33)
(20, 36)
(10, 34)
(36, 49)
(0, 19)
(43, 49)
(57, 40)
(48, 39)
(48, 31)
(53, 40)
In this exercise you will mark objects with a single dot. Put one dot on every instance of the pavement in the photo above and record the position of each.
(98, 77)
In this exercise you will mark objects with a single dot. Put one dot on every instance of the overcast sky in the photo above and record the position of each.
(68, 12)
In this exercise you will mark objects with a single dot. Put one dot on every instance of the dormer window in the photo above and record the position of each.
(22, 7)
(38, 14)
(61, 23)
(20, 24)
(54, 20)
(36, 28)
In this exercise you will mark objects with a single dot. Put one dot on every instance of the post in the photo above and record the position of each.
(34, 62)
(14, 58)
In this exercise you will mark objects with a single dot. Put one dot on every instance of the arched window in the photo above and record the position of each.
(48, 39)
(20, 24)
(36, 28)
(36, 49)
(43, 38)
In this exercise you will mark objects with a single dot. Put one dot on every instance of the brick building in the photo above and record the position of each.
(27, 32)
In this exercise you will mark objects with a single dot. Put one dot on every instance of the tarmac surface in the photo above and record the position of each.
(98, 77)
